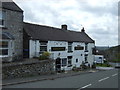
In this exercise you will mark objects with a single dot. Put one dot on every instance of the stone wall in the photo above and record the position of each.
(18, 70)
(14, 26)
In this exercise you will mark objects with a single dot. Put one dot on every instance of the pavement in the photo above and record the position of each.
(15, 81)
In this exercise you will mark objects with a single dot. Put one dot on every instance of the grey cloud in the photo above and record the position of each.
(51, 16)
(99, 10)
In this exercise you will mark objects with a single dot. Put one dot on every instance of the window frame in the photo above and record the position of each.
(63, 65)
(2, 18)
(69, 61)
(70, 47)
(43, 44)
(4, 48)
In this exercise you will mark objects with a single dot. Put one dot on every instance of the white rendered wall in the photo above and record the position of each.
(61, 54)
(90, 55)
(31, 48)
(76, 54)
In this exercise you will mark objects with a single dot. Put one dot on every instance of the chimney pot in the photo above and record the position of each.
(83, 30)
(64, 27)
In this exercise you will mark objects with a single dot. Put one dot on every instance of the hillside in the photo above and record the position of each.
(113, 54)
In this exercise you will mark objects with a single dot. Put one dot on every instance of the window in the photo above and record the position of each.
(43, 43)
(64, 62)
(76, 60)
(43, 47)
(69, 61)
(2, 18)
(69, 47)
(93, 51)
(86, 61)
(3, 51)
(57, 48)
(86, 47)
(3, 47)
(100, 57)
(3, 44)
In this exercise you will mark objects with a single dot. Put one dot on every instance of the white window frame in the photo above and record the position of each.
(2, 18)
(43, 44)
(70, 46)
(70, 61)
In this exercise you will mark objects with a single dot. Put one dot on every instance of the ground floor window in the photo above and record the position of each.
(3, 51)
(76, 60)
(64, 62)
(69, 61)
(86, 61)
(43, 46)
(3, 48)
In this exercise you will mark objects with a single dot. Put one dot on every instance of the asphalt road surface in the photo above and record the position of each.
(100, 79)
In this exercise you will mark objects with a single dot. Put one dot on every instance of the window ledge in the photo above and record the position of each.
(4, 56)
(2, 27)
(70, 51)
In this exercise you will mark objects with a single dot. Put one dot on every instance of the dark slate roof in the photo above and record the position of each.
(46, 33)
(11, 6)
(5, 35)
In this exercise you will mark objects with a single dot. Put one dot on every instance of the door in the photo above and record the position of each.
(58, 65)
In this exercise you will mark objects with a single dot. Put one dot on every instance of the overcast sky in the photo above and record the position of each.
(98, 17)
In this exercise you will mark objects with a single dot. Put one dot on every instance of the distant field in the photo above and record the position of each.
(115, 60)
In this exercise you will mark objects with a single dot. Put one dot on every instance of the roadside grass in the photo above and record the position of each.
(104, 65)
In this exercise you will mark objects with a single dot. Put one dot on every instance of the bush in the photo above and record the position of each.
(74, 68)
(63, 70)
(94, 65)
(44, 56)
(83, 66)
(47, 54)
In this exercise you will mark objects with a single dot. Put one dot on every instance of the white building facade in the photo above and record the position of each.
(71, 53)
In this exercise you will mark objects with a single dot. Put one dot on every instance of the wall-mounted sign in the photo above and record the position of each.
(57, 48)
(79, 48)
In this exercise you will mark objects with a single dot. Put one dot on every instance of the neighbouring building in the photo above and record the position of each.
(25, 40)
(11, 31)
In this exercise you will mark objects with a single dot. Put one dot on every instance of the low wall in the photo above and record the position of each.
(25, 69)
(104, 68)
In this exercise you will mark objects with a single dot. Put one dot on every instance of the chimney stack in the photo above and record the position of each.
(64, 27)
(83, 30)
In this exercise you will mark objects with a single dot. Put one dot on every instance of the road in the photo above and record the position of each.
(100, 79)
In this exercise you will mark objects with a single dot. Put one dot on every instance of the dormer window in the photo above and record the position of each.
(2, 18)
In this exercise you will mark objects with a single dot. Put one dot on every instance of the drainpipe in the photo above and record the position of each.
(35, 48)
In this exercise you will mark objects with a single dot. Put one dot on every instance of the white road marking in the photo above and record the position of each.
(103, 79)
(114, 74)
(87, 85)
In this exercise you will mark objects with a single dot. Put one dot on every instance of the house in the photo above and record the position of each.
(68, 48)
(25, 40)
(11, 32)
